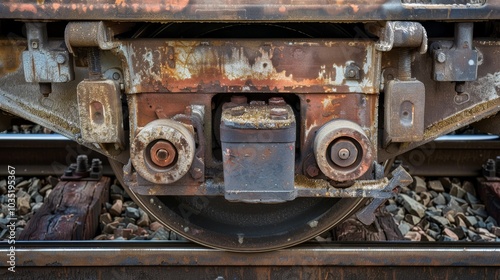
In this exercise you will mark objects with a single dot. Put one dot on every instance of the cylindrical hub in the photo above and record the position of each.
(163, 151)
(343, 151)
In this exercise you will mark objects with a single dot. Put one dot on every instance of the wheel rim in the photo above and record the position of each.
(242, 227)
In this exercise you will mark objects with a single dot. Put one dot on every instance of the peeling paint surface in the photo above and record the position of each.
(249, 65)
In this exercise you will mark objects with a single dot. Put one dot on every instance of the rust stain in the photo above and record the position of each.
(233, 66)
(10, 56)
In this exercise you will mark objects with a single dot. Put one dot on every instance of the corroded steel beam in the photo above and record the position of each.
(250, 10)
(279, 66)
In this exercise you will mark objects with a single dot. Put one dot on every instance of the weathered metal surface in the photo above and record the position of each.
(256, 272)
(215, 66)
(400, 178)
(45, 61)
(303, 187)
(180, 137)
(450, 158)
(88, 34)
(458, 60)
(174, 254)
(403, 34)
(58, 112)
(319, 109)
(446, 110)
(232, 10)
(342, 134)
(100, 112)
(258, 152)
(404, 113)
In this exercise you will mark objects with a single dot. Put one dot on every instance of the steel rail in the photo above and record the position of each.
(175, 253)
(451, 156)
(42, 154)
(174, 260)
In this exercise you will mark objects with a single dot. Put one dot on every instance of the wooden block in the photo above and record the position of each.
(71, 212)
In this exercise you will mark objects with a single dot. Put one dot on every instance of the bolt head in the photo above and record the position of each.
(277, 101)
(60, 59)
(163, 153)
(441, 57)
(312, 171)
(344, 153)
(116, 76)
(278, 113)
(351, 73)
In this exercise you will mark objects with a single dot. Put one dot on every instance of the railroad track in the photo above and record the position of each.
(328, 260)
(42, 154)
(179, 260)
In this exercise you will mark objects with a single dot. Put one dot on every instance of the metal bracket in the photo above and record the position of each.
(456, 61)
(404, 111)
(405, 34)
(100, 112)
(400, 178)
(44, 61)
(88, 34)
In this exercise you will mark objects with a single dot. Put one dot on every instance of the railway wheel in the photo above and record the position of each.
(218, 223)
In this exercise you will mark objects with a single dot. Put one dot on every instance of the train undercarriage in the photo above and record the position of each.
(252, 126)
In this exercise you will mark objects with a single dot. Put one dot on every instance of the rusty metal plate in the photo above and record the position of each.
(286, 10)
(100, 111)
(404, 111)
(214, 66)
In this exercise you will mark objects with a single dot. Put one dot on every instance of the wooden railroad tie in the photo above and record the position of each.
(71, 212)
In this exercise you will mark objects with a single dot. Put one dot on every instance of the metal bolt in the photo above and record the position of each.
(278, 114)
(34, 44)
(163, 153)
(96, 165)
(277, 101)
(237, 111)
(351, 73)
(68, 172)
(116, 76)
(60, 59)
(344, 153)
(312, 171)
(82, 164)
(441, 57)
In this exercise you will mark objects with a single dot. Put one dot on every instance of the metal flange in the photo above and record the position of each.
(146, 146)
(342, 150)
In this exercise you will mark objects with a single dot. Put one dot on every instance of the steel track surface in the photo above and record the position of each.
(170, 260)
